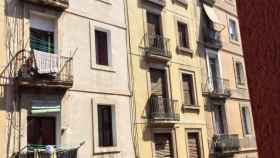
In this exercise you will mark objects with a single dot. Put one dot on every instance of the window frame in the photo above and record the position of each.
(104, 28)
(238, 85)
(104, 149)
(213, 54)
(199, 132)
(48, 18)
(195, 106)
(179, 48)
(241, 106)
(97, 53)
(111, 125)
(164, 130)
(186, 32)
(224, 119)
(237, 42)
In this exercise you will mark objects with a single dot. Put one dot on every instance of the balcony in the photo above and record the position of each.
(157, 47)
(248, 142)
(212, 37)
(58, 4)
(163, 110)
(44, 151)
(160, 3)
(217, 88)
(43, 70)
(226, 144)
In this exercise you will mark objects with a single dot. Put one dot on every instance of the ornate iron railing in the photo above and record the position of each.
(163, 108)
(157, 45)
(217, 86)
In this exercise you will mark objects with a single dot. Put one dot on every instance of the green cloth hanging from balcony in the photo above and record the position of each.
(45, 106)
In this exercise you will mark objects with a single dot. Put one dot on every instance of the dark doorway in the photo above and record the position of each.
(41, 130)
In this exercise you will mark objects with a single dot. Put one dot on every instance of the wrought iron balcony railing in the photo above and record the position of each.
(248, 142)
(58, 4)
(211, 36)
(40, 66)
(217, 87)
(227, 143)
(157, 45)
(163, 109)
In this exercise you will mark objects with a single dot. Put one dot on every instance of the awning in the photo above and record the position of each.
(45, 106)
(213, 17)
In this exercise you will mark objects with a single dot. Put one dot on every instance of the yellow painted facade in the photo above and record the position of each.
(180, 62)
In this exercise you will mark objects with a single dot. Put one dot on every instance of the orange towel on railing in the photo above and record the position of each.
(46, 63)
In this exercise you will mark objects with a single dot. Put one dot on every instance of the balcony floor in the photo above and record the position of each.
(43, 83)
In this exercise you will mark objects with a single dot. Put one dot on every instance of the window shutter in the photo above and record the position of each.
(158, 82)
(101, 44)
(246, 120)
(193, 145)
(240, 73)
(163, 145)
(188, 89)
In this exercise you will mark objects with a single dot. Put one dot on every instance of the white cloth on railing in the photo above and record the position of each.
(46, 62)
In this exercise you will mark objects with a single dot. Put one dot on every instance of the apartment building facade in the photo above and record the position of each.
(167, 98)
(226, 96)
(68, 79)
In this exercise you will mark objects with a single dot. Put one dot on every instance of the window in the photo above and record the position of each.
(105, 125)
(193, 143)
(233, 30)
(42, 40)
(101, 48)
(42, 33)
(158, 82)
(163, 145)
(245, 113)
(183, 35)
(45, 132)
(188, 89)
(219, 118)
(240, 75)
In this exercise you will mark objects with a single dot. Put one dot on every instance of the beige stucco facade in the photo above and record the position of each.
(227, 56)
(93, 85)
(179, 62)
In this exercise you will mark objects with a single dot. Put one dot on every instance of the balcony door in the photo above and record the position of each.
(41, 130)
(219, 119)
(163, 145)
(159, 89)
(214, 75)
(154, 31)
(42, 32)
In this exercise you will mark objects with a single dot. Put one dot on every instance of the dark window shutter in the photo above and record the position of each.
(183, 35)
(240, 73)
(101, 46)
(163, 145)
(194, 145)
(158, 82)
(188, 89)
(105, 125)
